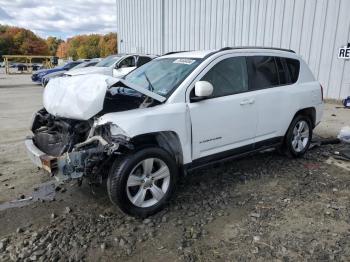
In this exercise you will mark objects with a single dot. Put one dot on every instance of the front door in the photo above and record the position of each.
(227, 121)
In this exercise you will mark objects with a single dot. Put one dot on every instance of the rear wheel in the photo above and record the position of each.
(142, 183)
(299, 135)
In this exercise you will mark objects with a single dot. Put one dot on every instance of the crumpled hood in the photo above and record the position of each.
(90, 70)
(77, 97)
(81, 97)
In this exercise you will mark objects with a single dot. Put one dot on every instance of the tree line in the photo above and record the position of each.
(21, 41)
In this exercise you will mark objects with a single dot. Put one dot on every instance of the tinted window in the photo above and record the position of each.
(262, 72)
(281, 68)
(143, 60)
(127, 62)
(228, 77)
(293, 66)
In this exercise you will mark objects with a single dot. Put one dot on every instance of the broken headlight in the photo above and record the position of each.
(118, 132)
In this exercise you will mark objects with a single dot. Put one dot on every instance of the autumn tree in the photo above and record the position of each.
(62, 50)
(6, 42)
(53, 44)
(108, 44)
(88, 46)
(20, 41)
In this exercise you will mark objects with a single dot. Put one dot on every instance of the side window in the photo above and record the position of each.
(293, 66)
(228, 77)
(143, 60)
(282, 71)
(127, 62)
(262, 72)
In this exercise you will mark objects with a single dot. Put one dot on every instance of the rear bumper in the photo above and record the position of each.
(39, 158)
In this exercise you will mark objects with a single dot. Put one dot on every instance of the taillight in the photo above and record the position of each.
(321, 91)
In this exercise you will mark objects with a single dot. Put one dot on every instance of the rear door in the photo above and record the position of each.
(227, 120)
(271, 87)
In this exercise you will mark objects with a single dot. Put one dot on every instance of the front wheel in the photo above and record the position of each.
(142, 182)
(298, 137)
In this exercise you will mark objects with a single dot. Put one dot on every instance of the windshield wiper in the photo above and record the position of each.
(151, 88)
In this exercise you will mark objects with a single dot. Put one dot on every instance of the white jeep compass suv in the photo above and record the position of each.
(178, 112)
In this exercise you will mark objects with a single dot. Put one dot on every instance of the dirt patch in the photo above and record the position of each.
(267, 207)
(261, 208)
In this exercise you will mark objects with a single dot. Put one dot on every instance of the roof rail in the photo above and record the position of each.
(256, 47)
(175, 52)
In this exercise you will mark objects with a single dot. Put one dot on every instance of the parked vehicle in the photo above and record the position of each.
(176, 113)
(50, 76)
(36, 67)
(38, 75)
(115, 65)
(22, 67)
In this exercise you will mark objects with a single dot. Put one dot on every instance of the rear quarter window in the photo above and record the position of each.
(293, 66)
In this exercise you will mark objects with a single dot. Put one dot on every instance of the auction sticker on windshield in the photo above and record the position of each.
(184, 61)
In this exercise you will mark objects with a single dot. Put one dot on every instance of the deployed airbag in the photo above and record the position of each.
(77, 97)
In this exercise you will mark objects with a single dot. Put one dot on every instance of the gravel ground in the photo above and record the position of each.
(261, 208)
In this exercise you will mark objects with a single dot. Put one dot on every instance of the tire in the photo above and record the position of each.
(142, 182)
(298, 137)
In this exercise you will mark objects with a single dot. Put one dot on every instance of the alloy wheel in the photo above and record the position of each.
(301, 136)
(148, 182)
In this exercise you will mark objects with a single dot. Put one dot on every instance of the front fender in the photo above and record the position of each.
(162, 118)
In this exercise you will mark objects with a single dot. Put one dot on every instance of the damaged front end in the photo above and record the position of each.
(73, 149)
(68, 141)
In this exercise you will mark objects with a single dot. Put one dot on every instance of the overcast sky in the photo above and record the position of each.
(60, 18)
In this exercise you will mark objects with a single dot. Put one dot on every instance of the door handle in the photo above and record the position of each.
(247, 101)
(251, 101)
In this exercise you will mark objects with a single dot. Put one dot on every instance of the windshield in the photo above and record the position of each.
(108, 61)
(161, 76)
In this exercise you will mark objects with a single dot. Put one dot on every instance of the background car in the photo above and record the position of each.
(38, 75)
(115, 65)
(47, 77)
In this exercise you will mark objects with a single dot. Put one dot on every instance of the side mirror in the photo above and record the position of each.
(202, 90)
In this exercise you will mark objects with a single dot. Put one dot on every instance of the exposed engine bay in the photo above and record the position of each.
(75, 148)
(56, 136)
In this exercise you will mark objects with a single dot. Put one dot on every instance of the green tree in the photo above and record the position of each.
(91, 46)
(91, 43)
(53, 43)
(83, 51)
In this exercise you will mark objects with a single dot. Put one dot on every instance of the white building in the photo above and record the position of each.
(315, 29)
